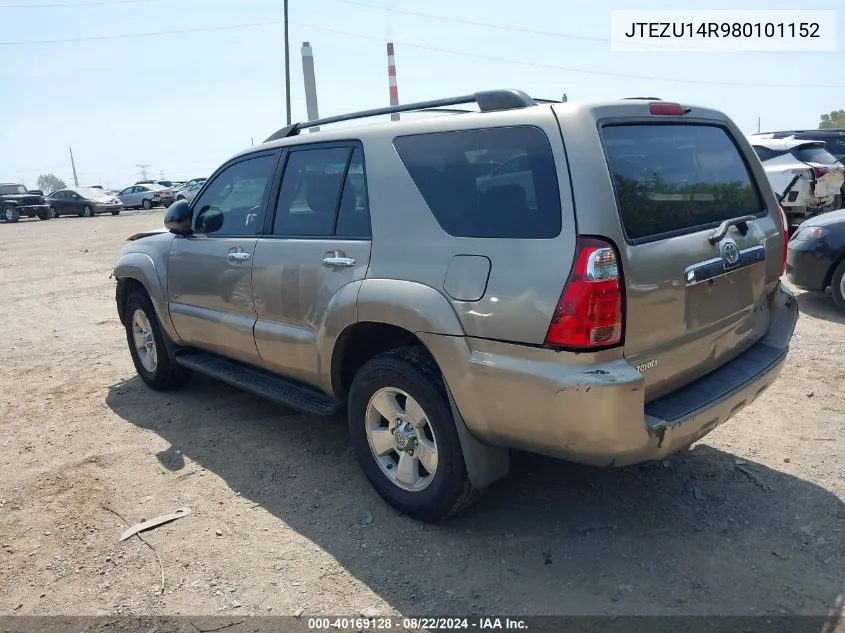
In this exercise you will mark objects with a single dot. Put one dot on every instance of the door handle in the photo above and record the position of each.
(338, 262)
(239, 256)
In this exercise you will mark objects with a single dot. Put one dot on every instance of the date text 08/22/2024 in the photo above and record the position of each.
(416, 623)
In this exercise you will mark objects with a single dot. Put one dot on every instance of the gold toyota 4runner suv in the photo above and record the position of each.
(597, 282)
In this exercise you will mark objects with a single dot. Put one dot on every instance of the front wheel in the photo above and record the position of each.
(147, 204)
(116, 212)
(146, 345)
(11, 213)
(87, 212)
(404, 436)
(837, 286)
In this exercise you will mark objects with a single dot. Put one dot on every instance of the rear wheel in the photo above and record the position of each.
(47, 214)
(87, 212)
(11, 213)
(404, 435)
(146, 345)
(837, 285)
(147, 204)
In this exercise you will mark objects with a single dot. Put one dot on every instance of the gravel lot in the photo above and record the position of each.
(751, 521)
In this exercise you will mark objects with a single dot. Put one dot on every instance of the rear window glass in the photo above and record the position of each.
(490, 183)
(814, 154)
(671, 178)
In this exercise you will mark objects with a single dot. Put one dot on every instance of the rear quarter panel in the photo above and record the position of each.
(526, 275)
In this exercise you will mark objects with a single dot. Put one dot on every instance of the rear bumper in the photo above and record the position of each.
(593, 410)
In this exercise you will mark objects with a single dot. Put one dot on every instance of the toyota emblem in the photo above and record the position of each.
(730, 253)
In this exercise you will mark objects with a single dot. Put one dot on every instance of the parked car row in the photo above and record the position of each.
(16, 201)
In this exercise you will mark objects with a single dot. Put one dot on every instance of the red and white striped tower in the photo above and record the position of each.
(391, 77)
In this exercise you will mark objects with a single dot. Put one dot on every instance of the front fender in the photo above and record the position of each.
(412, 306)
(142, 268)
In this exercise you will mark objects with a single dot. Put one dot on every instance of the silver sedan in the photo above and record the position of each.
(143, 196)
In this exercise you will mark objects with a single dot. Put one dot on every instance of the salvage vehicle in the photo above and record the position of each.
(613, 305)
(806, 177)
(16, 201)
(816, 256)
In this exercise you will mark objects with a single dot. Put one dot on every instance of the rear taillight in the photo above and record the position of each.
(785, 223)
(667, 109)
(820, 171)
(589, 313)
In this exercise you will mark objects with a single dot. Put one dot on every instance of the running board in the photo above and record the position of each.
(259, 382)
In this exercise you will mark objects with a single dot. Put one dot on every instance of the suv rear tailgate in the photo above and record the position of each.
(691, 304)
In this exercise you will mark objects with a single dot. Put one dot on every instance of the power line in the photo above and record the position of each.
(78, 4)
(568, 68)
(122, 36)
(517, 29)
(426, 48)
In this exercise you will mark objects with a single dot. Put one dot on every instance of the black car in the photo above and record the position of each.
(816, 255)
(16, 201)
(86, 202)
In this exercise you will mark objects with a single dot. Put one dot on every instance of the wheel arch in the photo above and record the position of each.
(137, 271)
(828, 278)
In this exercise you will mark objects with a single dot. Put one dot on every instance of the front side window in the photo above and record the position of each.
(232, 203)
(470, 194)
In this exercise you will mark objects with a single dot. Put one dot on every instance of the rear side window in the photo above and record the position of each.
(672, 178)
(459, 176)
(814, 154)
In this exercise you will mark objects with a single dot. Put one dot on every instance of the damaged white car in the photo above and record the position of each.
(804, 175)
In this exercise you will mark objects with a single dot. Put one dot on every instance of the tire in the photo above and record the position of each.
(412, 371)
(161, 373)
(87, 212)
(147, 204)
(178, 198)
(115, 212)
(837, 285)
(11, 214)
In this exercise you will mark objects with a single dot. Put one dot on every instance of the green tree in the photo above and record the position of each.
(834, 119)
(48, 183)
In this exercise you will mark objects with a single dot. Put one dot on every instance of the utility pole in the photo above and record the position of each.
(565, 98)
(252, 141)
(143, 169)
(758, 125)
(73, 166)
(287, 64)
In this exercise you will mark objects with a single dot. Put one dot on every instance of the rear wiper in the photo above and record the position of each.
(741, 223)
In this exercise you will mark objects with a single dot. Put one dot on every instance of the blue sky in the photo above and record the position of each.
(183, 103)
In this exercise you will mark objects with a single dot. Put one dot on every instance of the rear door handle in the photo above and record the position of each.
(338, 262)
(239, 256)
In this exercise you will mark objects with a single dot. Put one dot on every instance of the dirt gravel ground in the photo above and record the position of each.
(751, 521)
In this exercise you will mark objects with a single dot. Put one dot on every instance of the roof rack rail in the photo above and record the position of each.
(487, 100)
(641, 98)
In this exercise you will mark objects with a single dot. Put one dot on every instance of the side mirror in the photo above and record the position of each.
(177, 218)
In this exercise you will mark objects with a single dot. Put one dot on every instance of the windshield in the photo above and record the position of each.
(92, 193)
(12, 190)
